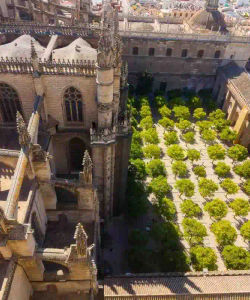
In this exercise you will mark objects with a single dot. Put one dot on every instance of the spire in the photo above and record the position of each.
(81, 240)
(34, 59)
(105, 51)
(108, 15)
(33, 50)
(24, 136)
(124, 74)
(86, 174)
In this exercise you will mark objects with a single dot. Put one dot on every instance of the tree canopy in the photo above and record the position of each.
(193, 154)
(225, 233)
(207, 187)
(203, 257)
(171, 138)
(190, 209)
(179, 168)
(236, 258)
(165, 111)
(208, 135)
(243, 169)
(155, 168)
(136, 151)
(176, 152)
(151, 151)
(199, 113)
(222, 169)
(188, 137)
(200, 171)
(145, 111)
(159, 186)
(204, 125)
(146, 122)
(228, 134)
(194, 231)
(185, 186)
(245, 231)
(138, 169)
(246, 186)
(166, 208)
(229, 186)
(166, 123)
(216, 208)
(240, 207)
(150, 136)
(216, 152)
(184, 125)
(181, 112)
(237, 152)
(138, 237)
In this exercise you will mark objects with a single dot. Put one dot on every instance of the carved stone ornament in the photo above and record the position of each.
(87, 168)
(124, 74)
(24, 136)
(81, 240)
(104, 107)
(34, 58)
(38, 154)
(105, 51)
(108, 15)
(118, 46)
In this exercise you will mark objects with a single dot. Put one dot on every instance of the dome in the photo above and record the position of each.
(207, 19)
(77, 50)
(21, 47)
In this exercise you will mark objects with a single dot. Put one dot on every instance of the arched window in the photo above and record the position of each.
(200, 53)
(9, 103)
(151, 51)
(135, 51)
(169, 52)
(217, 54)
(73, 105)
(184, 53)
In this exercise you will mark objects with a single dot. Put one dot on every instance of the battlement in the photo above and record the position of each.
(59, 67)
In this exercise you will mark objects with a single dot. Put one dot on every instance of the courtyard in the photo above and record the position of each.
(188, 189)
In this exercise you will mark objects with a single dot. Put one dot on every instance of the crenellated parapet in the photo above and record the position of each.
(103, 135)
(45, 67)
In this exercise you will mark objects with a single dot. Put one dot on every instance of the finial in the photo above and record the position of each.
(81, 240)
(33, 50)
(105, 51)
(24, 136)
(86, 174)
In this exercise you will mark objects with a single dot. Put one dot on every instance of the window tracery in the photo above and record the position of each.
(73, 105)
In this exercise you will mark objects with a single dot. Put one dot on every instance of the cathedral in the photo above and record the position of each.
(65, 134)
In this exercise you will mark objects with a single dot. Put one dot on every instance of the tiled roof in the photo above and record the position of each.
(155, 286)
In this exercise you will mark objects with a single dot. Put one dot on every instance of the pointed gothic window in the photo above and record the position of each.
(9, 103)
(73, 105)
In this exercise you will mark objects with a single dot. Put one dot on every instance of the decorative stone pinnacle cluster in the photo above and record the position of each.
(24, 136)
(81, 240)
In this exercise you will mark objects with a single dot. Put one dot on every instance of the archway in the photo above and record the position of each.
(76, 152)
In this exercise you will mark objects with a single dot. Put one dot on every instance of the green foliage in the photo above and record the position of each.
(216, 115)
(166, 123)
(184, 125)
(140, 260)
(229, 186)
(236, 258)
(145, 111)
(228, 134)
(165, 111)
(222, 169)
(193, 154)
(199, 114)
(137, 198)
(174, 93)
(136, 137)
(176, 152)
(190, 209)
(200, 171)
(204, 125)
(146, 122)
(240, 207)
(225, 233)
(136, 151)
(133, 122)
(243, 169)
(151, 151)
(166, 208)
(221, 124)
(171, 138)
(207, 187)
(185, 186)
(208, 135)
(150, 136)
(216, 208)
(216, 152)
(160, 101)
(173, 260)
(237, 152)
(194, 102)
(159, 186)
(188, 137)
(179, 168)
(155, 168)
(181, 112)
(167, 234)
(203, 257)
(138, 237)
(176, 101)
(246, 187)
(245, 231)
(194, 231)
(144, 101)
(138, 169)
